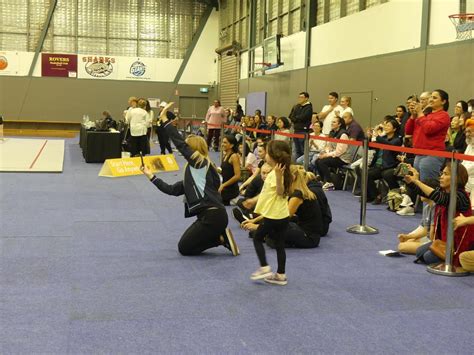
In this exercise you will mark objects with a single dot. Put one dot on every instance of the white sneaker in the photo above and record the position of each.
(406, 201)
(328, 186)
(277, 279)
(406, 211)
(261, 273)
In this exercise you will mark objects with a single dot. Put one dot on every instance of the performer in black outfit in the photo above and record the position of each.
(230, 169)
(200, 189)
(163, 138)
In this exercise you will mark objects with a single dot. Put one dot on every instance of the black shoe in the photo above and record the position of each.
(238, 215)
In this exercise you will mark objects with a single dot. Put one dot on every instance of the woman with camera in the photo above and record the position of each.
(463, 236)
(199, 186)
(429, 128)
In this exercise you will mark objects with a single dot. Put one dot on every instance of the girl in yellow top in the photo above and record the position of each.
(272, 206)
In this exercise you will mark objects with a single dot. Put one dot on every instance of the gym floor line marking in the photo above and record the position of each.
(39, 153)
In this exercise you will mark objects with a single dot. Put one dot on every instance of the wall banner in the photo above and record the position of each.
(97, 67)
(63, 65)
(137, 69)
(9, 63)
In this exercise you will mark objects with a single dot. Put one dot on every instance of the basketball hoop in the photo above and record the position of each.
(464, 24)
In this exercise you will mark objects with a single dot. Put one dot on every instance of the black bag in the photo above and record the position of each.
(338, 180)
(326, 213)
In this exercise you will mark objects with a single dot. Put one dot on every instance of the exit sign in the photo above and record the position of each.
(203, 90)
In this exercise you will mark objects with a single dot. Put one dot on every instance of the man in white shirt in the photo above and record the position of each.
(328, 112)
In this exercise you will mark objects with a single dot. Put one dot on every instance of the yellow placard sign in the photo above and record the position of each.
(131, 166)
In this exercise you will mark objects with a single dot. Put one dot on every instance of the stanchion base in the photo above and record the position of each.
(446, 270)
(362, 229)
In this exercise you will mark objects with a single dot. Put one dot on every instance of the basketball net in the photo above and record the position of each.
(464, 24)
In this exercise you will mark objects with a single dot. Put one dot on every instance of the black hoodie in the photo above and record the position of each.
(301, 116)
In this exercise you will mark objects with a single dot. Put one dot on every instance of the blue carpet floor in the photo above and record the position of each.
(90, 265)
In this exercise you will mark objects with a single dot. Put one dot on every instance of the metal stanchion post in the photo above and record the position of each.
(362, 228)
(220, 142)
(447, 268)
(272, 136)
(244, 147)
(306, 151)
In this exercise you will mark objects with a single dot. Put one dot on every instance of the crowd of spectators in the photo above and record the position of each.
(422, 122)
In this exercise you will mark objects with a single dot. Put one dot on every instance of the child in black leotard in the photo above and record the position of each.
(230, 169)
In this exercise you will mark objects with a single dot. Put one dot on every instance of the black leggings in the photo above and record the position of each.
(164, 140)
(137, 145)
(276, 228)
(204, 233)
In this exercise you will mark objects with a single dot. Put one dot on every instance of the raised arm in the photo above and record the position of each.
(177, 189)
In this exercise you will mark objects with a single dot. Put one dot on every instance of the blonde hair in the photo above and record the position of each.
(132, 98)
(349, 100)
(300, 182)
(199, 145)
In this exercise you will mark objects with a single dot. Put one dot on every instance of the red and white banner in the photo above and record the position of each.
(62, 65)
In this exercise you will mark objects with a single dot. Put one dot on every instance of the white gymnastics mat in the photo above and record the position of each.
(31, 155)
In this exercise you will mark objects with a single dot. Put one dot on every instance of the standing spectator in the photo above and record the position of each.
(215, 116)
(461, 111)
(137, 118)
(402, 116)
(429, 132)
(456, 139)
(353, 128)
(345, 103)
(239, 113)
(301, 118)
(328, 112)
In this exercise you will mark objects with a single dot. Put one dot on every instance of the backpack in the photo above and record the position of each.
(324, 206)
(394, 199)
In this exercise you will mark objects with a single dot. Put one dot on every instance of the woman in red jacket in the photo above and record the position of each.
(429, 128)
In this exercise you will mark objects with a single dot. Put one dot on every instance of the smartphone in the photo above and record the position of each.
(141, 158)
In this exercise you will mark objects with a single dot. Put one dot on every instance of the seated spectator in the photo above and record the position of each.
(466, 259)
(230, 170)
(469, 165)
(336, 155)
(353, 129)
(470, 105)
(261, 152)
(456, 139)
(304, 230)
(250, 161)
(410, 242)
(463, 239)
(385, 161)
(429, 128)
(283, 125)
(271, 125)
(315, 145)
(245, 208)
